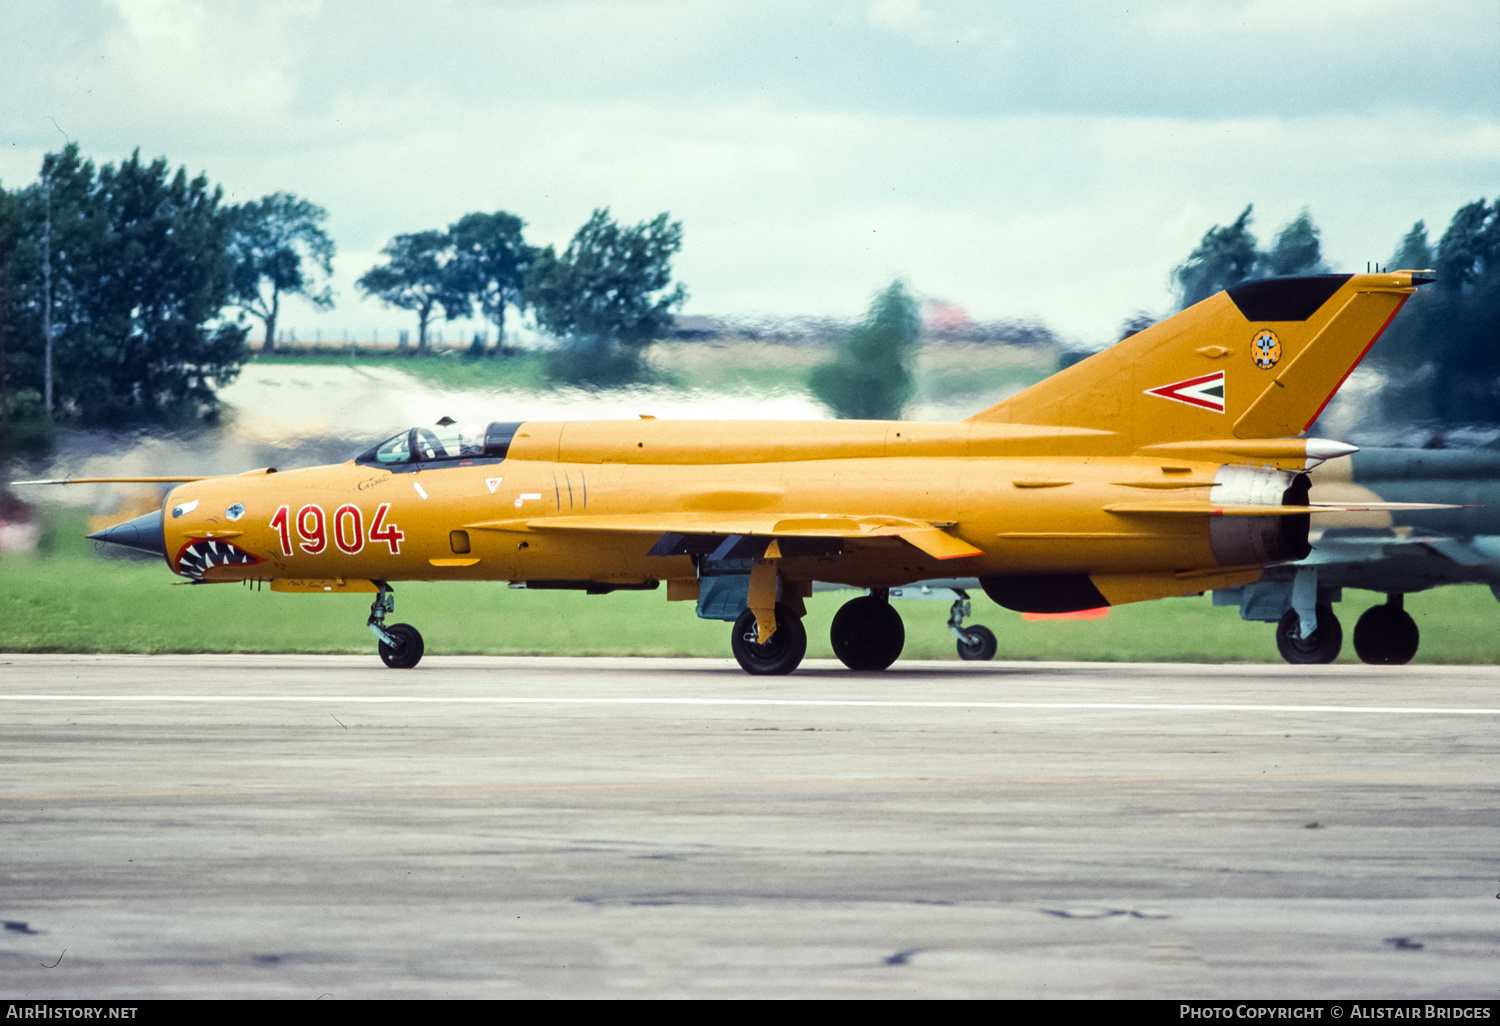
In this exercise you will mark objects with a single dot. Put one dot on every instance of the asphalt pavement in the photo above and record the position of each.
(305, 826)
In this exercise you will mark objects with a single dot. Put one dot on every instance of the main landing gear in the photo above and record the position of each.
(781, 653)
(867, 634)
(1321, 646)
(1387, 635)
(400, 644)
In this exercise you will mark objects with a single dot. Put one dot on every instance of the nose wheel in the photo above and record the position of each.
(405, 648)
(974, 643)
(977, 643)
(401, 644)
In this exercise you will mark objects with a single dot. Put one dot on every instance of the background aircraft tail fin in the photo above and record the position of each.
(1260, 360)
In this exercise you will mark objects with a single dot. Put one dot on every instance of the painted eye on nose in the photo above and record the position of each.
(186, 507)
(236, 511)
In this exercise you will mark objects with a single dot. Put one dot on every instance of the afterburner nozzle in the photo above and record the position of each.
(146, 533)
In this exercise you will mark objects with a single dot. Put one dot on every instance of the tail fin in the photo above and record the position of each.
(1258, 361)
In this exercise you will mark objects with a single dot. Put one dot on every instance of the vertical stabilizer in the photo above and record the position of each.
(1260, 360)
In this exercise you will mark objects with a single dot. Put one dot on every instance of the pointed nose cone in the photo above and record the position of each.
(146, 533)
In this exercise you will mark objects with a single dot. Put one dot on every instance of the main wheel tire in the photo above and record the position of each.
(867, 634)
(978, 643)
(781, 654)
(1322, 646)
(1386, 636)
(407, 652)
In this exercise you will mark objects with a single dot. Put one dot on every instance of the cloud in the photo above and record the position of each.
(1051, 161)
(918, 21)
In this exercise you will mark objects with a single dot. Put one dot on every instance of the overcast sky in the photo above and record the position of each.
(1047, 160)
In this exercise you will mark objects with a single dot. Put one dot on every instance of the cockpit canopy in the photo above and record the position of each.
(442, 443)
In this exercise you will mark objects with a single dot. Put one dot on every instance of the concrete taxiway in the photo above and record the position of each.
(298, 826)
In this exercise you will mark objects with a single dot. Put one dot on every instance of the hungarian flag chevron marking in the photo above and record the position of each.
(1205, 392)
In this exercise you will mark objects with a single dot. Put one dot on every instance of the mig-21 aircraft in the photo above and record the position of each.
(1168, 464)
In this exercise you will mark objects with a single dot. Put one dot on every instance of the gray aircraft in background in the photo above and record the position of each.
(1396, 553)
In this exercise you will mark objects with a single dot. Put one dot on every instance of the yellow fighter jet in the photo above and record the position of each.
(1168, 464)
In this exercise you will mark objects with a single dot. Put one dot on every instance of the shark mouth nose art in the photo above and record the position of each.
(199, 557)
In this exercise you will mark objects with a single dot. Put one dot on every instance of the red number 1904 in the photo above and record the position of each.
(312, 528)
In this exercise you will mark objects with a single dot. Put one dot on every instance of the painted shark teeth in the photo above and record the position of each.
(202, 556)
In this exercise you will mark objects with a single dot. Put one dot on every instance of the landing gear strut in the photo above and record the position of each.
(867, 634)
(976, 642)
(1386, 634)
(401, 645)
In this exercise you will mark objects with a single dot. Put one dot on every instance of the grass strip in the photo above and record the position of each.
(66, 598)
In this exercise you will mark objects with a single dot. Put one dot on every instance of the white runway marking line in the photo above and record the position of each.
(770, 702)
(657, 785)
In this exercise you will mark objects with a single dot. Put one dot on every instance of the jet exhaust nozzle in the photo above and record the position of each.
(147, 533)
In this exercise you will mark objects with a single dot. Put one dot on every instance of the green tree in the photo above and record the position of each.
(491, 259)
(419, 275)
(9, 232)
(26, 429)
(1224, 258)
(870, 378)
(1297, 250)
(1442, 355)
(58, 234)
(121, 274)
(1404, 352)
(161, 275)
(1414, 253)
(1465, 322)
(606, 297)
(1229, 255)
(278, 248)
(1468, 250)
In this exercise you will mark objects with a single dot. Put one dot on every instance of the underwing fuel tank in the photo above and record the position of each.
(1238, 540)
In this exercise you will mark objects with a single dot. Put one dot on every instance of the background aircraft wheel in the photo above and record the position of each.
(1321, 647)
(408, 650)
(978, 643)
(867, 634)
(779, 655)
(1386, 635)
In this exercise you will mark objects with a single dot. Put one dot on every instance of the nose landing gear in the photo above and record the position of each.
(974, 643)
(401, 644)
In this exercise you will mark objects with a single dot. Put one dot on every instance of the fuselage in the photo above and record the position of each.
(503, 516)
